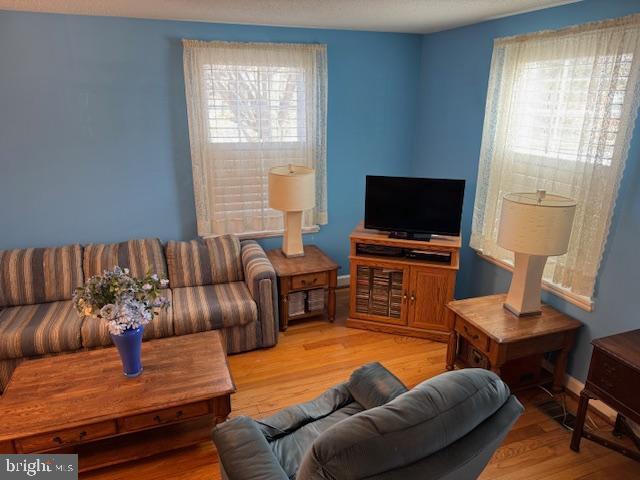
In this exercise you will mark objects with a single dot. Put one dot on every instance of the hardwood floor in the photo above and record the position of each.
(313, 355)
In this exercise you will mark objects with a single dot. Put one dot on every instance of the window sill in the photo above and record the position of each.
(269, 234)
(579, 301)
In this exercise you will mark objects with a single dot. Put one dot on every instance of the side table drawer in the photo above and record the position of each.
(63, 438)
(615, 378)
(161, 417)
(472, 335)
(310, 280)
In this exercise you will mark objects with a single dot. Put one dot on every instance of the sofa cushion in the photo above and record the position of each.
(418, 423)
(212, 307)
(196, 262)
(30, 330)
(95, 332)
(139, 256)
(188, 264)
(226, 258)
(39, 275)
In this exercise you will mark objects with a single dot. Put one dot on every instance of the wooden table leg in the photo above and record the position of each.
(7, 447)
(284, 313)
(559, 371)
(452, 350)
(561, 364)
(283, 289)
(618, 428)
(331, 308)
(579, 425)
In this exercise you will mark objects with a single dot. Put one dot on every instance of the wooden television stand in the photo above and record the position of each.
(401, 293)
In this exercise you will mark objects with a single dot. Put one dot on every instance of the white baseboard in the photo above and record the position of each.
(575, 386)
(343, 281)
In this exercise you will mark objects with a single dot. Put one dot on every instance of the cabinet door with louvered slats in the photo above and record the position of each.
(379, 292)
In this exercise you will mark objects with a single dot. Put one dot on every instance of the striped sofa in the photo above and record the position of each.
(214, 284)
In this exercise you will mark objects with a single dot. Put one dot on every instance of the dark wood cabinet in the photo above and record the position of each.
(613, 378)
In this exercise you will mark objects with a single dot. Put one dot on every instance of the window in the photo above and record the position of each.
(252, 104)
(559, 116)
(252, 107)
(554, 98)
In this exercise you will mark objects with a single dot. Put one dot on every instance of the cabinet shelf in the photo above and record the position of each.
(405, 261)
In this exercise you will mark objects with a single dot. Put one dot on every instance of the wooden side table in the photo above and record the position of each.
(614, 375)
(484, 334)
(313, 271)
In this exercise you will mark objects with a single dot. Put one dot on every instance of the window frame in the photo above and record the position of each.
(283, 121)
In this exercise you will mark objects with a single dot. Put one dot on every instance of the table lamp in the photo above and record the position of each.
(533, 226)
(292, 189)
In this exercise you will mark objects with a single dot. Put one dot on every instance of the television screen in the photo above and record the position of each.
(414, 205)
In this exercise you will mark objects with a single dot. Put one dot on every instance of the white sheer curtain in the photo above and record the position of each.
(252, 106)
(561, 106)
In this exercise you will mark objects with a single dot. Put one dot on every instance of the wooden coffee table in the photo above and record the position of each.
(82, 403)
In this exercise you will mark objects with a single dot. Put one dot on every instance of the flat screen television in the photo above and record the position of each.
(413, 207)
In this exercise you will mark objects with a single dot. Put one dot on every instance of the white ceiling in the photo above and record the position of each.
(415, 16)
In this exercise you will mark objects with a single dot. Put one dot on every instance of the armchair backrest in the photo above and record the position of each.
(204, 262)
(413, 428)
(39, 275)
(373, 385)
(466, 458)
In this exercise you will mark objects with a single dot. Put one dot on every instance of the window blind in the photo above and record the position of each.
(252, 107)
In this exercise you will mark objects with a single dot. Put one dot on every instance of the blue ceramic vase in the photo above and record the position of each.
(129, 345)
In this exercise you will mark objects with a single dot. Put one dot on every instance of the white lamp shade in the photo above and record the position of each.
(536, 223)
(292, 188)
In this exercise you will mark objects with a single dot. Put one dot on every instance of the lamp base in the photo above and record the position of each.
(523, 298)
(292, 240)
(292, 255)
(517, 313)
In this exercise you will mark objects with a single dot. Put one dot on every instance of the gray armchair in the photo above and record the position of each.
(371, 427)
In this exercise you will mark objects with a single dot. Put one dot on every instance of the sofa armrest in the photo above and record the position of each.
(373, 385)
(244, 452)
(261, 280)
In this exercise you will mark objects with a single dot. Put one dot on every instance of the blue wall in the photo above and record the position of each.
(453, 86)
(93, 129)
